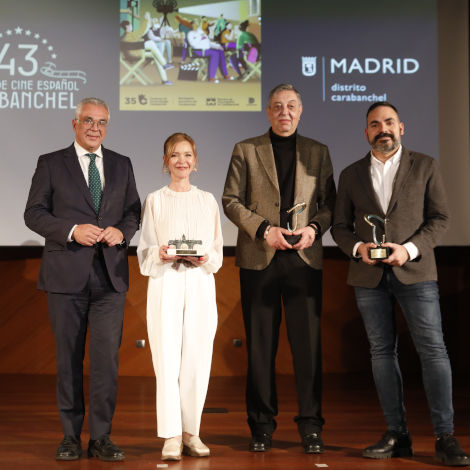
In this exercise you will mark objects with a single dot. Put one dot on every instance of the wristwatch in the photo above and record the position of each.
(268, 228)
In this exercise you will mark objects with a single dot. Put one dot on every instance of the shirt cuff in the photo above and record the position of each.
(412, 250)
(69, 238)
(356, 246)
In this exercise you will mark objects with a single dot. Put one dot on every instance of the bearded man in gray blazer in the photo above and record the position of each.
(279, 253)
(405, 190)
(83, 200)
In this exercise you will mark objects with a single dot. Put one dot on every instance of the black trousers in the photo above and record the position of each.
(287, 279)
(99, 309)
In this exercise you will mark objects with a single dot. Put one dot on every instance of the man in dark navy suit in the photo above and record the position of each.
(83, 200)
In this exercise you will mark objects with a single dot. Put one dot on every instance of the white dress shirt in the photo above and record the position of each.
(84, 161)
(383, 178)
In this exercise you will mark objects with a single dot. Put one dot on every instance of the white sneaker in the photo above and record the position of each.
(195, 447)
(172, 448)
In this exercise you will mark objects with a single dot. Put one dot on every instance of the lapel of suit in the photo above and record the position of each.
(302, 154)
(404, 169)
(365, 182)
(265, 155)
(75, 170)
(110, 177)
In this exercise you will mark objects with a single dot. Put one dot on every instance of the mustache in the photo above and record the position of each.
(383, 134)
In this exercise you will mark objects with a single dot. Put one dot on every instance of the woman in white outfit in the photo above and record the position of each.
(181, 304)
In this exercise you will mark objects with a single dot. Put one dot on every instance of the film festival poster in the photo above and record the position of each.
(178, 55)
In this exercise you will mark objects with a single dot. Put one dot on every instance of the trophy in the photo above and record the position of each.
(380, 252)
(184, 247)
(294, 211)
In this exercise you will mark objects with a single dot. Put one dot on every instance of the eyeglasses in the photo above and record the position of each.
(89, 123)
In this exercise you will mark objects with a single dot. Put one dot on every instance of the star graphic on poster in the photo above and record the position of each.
(27, 53)
(19, 31)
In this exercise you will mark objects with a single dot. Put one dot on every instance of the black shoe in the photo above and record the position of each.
(312, 443)
(105, 449)
(70, 448)
(449, 452)
(392, 444)
(260, 442)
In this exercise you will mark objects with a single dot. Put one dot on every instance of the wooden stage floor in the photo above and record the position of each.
(30, 429)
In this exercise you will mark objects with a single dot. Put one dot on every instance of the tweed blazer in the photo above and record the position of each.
(417, 213)
(251, 195)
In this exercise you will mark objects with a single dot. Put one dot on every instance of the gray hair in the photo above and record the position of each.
(95, 101)
(283, 87)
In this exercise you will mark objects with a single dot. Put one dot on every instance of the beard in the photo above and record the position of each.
(388, 146)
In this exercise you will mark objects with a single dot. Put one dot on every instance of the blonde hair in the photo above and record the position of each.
(170, 144)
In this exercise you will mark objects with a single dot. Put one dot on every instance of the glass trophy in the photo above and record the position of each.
(184, 247)
(380, 252)
(293, 212)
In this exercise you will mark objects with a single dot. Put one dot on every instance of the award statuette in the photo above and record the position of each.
(380, 252)
(185, 247)
(293, 212)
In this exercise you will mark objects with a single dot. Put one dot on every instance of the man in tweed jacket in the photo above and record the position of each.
(268, 175)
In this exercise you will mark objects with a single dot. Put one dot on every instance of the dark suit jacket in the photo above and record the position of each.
(251, 195)
(417, 213)
(59, 198)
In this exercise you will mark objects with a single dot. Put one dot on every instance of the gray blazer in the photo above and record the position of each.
(251, 195)
(417, 213)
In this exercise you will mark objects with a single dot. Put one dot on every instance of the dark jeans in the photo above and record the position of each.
(420, 305)
(290, 281)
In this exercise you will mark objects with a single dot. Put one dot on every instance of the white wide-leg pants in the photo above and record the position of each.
(181, 324)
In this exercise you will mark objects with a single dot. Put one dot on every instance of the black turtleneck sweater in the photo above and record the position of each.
(284, 157)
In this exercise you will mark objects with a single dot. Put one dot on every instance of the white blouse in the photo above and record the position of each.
(168, 215)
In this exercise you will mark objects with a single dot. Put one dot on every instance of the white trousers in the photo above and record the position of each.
(181, 324)
(159, 60)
